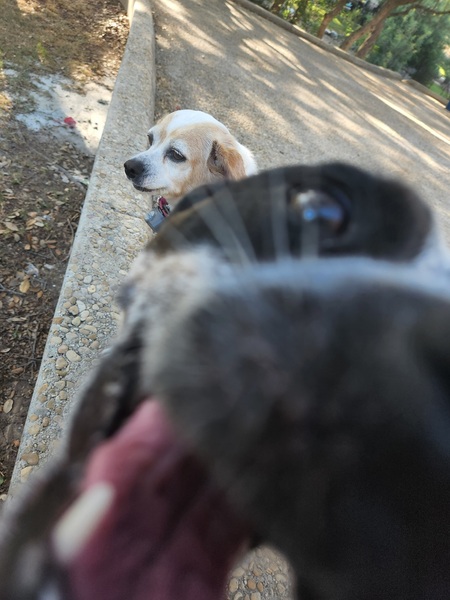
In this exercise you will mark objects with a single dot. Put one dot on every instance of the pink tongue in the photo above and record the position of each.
(169, 534)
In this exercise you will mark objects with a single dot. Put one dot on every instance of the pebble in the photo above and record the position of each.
(60, 385)
(73, 356)
(34, 429)
(74, 310)
(261, 575)
(25, 473)
(81, 306)
(62, 395)
(31, 458)
(43, 388)
(87, 279)
(61, 363)
(55, 340)
(88, 329)
(63, 349)
(33, 418)
(76, 321)
(45, 422)
(84, 315)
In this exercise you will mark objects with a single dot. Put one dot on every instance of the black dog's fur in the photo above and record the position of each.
(316, 391)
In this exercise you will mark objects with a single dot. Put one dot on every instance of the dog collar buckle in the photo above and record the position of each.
(155, 218)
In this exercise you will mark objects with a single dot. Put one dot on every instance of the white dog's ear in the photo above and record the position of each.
(226, 160)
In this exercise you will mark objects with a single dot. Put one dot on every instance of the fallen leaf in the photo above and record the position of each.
(8, 406)
(24, 286)
(11, 226)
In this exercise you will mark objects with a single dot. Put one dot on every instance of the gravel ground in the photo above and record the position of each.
(292, 102)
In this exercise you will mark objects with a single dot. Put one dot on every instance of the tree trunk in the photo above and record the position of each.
(330, 16)
(277, 6)
(369, 42)
(373, 24)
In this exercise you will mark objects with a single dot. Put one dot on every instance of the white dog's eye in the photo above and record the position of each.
(175, 156)
(150, 139)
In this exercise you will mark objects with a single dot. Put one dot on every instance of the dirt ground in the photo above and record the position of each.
(42, 182)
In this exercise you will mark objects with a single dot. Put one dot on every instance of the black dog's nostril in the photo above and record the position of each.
(133, 168)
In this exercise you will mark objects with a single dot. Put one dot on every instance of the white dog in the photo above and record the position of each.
(188, 148)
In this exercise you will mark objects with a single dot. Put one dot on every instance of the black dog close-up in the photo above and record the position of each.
(281, 375)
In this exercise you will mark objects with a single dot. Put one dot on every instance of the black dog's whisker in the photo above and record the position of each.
(228, 205)
(223, 233)
(177, 238)
(278, 207)
(310, 227)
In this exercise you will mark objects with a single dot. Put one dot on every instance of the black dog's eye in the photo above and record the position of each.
(150, 139)
(175, 156)
(329, 209)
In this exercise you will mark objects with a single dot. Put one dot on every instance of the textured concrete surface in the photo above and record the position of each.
(110, 234)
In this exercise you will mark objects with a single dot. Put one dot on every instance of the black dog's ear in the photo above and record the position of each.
(225, 160)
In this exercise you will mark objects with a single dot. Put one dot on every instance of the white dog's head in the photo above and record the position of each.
(188, 148)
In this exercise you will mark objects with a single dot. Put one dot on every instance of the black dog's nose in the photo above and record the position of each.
(133, 168)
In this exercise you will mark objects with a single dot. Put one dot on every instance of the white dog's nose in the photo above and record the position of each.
(133, 168)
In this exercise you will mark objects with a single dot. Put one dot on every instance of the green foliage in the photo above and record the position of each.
(413, 43)
(306, 14)
(347, 22)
